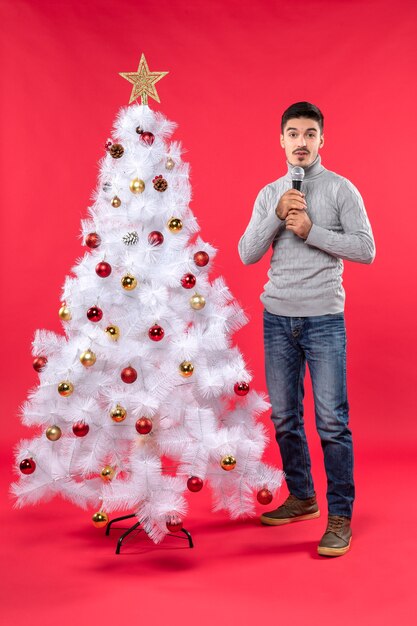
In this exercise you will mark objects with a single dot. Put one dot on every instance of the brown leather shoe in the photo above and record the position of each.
(336, 540)
(292, 510)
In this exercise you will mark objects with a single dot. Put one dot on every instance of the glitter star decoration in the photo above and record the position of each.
(143, 82)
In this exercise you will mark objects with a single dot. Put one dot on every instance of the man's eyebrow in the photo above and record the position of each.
(292, 128)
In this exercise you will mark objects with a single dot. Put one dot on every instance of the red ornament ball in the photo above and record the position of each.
(103, 269)
(144, 425)
(94, 314)
(241, 389)
(155, 238)
(39, 363)
(147, 137)
(156, 333)
(201, 258)
(128, 375)
(80, 429)
(264, 496)
(93, 240)
(174, 526)
(194, 484)
(27, 466)
(188, 281)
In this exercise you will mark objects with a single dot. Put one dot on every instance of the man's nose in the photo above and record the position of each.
(302, 141)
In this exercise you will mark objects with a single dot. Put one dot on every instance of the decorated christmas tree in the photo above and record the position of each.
(144, 395)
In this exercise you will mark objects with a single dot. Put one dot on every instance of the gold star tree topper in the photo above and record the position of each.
(143, 82)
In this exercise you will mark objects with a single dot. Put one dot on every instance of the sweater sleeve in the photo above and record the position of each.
(261, 230)
(356, 242)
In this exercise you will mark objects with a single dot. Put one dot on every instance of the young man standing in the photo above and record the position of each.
(310, 231)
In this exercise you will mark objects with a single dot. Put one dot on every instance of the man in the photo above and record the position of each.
(310, 231)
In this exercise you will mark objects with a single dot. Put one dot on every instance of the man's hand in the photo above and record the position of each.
(299, 222)
(290, 200)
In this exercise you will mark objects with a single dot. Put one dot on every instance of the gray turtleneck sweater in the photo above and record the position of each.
(305, 277)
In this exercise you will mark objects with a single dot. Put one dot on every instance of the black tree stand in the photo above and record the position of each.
(137, 527)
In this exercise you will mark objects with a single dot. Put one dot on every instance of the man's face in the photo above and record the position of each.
(301, 141)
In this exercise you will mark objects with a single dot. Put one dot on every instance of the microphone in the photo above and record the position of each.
(297, 176)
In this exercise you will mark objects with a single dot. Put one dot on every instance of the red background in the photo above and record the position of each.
(233, 67)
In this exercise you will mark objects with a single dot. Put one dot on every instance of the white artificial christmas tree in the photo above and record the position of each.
(144, 395)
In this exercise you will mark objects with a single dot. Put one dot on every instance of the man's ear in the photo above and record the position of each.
(321, 141)
(281, 140)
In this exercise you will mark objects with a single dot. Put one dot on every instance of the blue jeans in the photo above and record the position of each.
(320, 341)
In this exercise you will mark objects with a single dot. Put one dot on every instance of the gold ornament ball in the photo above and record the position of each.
(118, 414)
(88, 358)
(186, 369)
(113, 332)
(64, 313)
(129, 282)
(169, 164)
(65, 388)
(100, 519)
(175, 225)
(116, 202)
(137, 185)
(197, 302)
(228, 462)
(53, 433)
(107, 473)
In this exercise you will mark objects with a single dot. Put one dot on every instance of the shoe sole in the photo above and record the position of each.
(270, 521)
(323, 551)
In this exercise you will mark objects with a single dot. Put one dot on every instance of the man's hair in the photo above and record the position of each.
(302, 109)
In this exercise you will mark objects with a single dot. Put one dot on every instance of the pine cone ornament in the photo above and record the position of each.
(131, 239)
(116, 150)
(159, 183)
